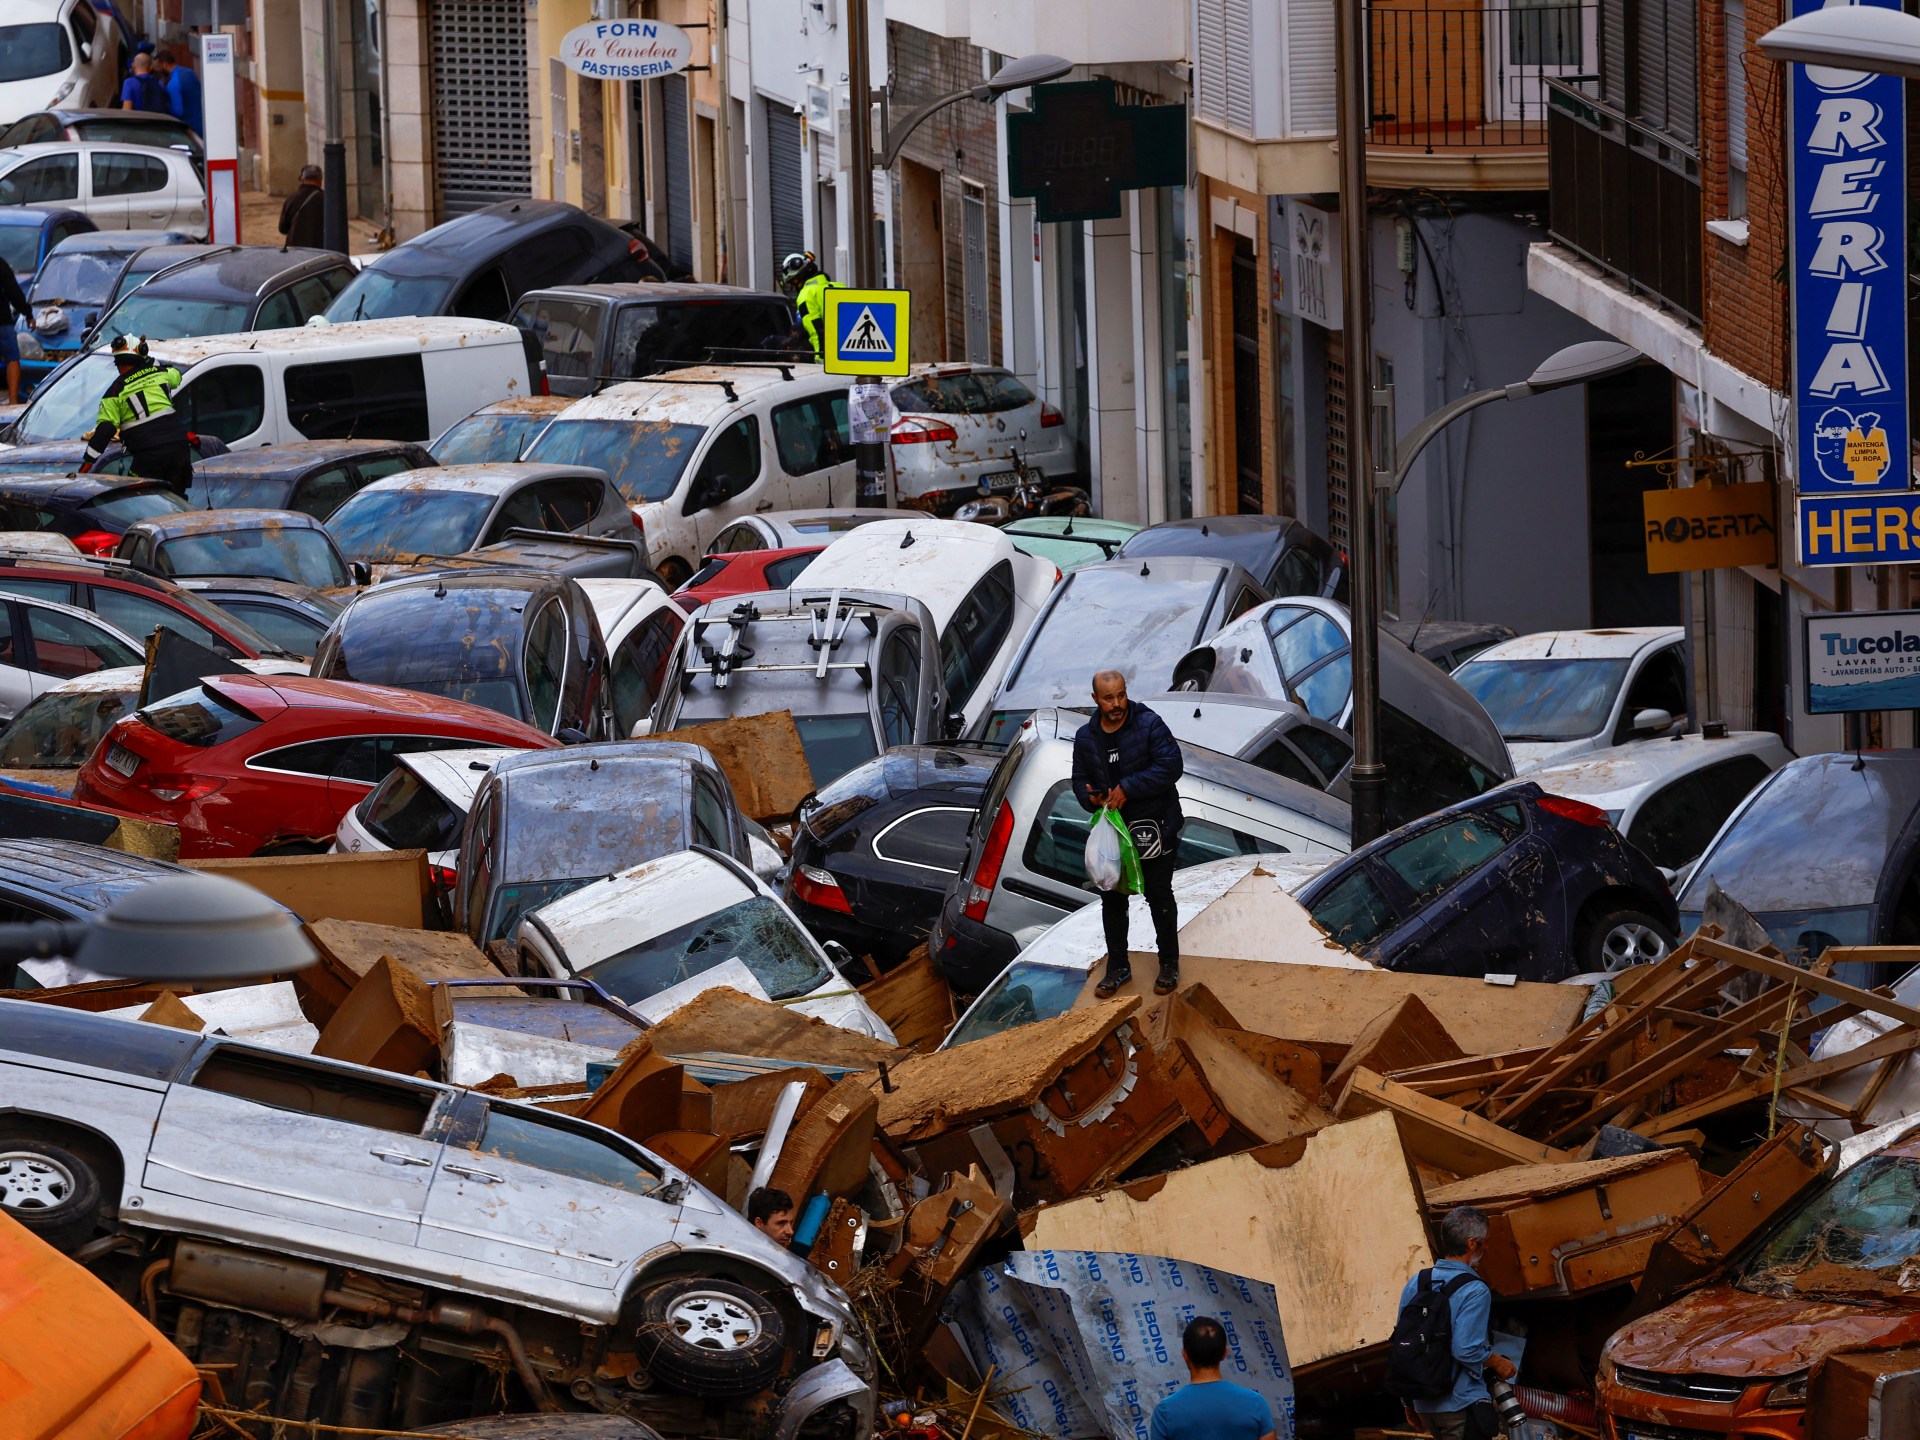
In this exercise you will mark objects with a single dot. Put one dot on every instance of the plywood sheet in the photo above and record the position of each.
(761, 757)
(1404, 1036)
(1333, 1223)
(1441, 1134)
(387, 887)
(728, 1022)
(1538, 1182)
(914, 1001)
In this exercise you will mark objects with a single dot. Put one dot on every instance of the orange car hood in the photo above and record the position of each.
(1723, 1331)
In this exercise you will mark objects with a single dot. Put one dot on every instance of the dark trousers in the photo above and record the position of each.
(173, 466)
(1156, 877)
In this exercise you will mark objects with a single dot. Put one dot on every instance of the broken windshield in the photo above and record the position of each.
(759, 933)
(1858, 1239)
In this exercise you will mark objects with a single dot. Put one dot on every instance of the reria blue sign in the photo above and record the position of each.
(1849, 310)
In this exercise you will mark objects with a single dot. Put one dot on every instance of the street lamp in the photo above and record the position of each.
(1014, 75)
(1849, 37)
(180, 927)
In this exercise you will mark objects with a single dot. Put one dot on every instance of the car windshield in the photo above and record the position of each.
(759, 933)
(378, 294)
(383, 524)
(513, 901)
(77, 277)
(1857, 1239)
(481, 439)
(1545, 699)
(1023, 994)
(1122, 621)
(277, 553)
(644, 458)
(174, 317)
(28, 52)
(834, 744)
(59, 730)
(67, 406)
(123, 507)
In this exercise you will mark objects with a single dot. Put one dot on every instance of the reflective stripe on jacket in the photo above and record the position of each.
(139, 406)
(812, 304)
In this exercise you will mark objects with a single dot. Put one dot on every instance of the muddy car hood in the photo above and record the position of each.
(1723, 1331)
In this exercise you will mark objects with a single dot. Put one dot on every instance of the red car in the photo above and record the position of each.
(259, 764)
(745, 572)
(133, 602)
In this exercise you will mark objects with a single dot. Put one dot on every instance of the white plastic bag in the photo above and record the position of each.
(1103, 853)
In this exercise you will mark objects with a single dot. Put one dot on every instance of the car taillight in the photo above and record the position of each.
(1577, 811)
(96, 542)
(986, 873)
(818, 887)
(442, 877)
(923, 432)
(175, 788)
(639, 523)
(1050, 417)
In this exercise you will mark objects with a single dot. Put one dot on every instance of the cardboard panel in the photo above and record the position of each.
(761, 757)
(391, 1021)
(386, 887)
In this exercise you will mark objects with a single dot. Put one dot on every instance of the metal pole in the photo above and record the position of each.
(1369, 771)
(333, 155)
(869, 458)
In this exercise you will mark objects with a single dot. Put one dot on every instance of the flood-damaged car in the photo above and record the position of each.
(366, 1249)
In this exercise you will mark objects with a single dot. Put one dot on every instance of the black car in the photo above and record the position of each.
(524, 644)
(229, 289)
(875, 851)
(293, 617)
(114, 127)
(1512, 882)
(91, 510)
(591, 334)
(65, 880)
(478, 265)
(314, 477)
(1447, 643)
(72, 290)
(1282, 554)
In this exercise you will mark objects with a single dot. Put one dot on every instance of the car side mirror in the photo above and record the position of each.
(841, 956)
(572, 735)
(361, 571)
(641, 729)
(956, 722)
(1652, 722)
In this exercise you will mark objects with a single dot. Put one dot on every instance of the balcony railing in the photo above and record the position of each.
(1625, 196)
(1450, 78)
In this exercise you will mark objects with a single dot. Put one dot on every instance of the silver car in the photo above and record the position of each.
(959, 430)
(360, 1247)
(450, 509)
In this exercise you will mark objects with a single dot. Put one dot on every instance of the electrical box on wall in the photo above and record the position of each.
(1403, 245)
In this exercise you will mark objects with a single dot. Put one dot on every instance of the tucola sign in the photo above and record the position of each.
(625, 49)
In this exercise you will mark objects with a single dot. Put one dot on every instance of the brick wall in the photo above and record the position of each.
(960, 143)
(1744, 287)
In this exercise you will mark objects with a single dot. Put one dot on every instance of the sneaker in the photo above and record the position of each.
(1112, 981)
(1168, 978)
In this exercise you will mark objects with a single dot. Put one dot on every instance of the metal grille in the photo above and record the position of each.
(1722, 1388)
(1339, 486)
(481, 147)
(784, 181)
(677, 163)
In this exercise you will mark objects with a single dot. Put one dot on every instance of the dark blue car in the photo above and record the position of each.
(27, 236)
(1512, 882)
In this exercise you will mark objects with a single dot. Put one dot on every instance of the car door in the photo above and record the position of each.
(638, 666)
(735, 478)
(538, 1194)
(810, 441)
(318, 1149)
(64, 644)
(321, 492)
(135, 188)
(1658, 683)
(48, 182)
(1468, 893)
(16, 679)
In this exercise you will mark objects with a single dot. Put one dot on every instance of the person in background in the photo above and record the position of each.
(771, 1212)
(13, 301)
(142, 89)
(1465, 1412)
(802, 278)
(1210, 1408)
(303, 218)
(183, 91)
(139, 407)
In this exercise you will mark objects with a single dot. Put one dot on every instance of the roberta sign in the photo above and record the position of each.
(1863, 661)
(1852, 431)
(625, 49)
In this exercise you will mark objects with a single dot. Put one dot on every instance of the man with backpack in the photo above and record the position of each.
(143, 90)
(1442, 1343)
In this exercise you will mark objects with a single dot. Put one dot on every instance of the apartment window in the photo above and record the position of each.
(1649, 51)
(1736, 109)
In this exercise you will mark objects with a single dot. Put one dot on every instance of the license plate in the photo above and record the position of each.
(1004, 480)
(121, 760)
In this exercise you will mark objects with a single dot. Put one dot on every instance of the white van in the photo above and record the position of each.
(371, 379)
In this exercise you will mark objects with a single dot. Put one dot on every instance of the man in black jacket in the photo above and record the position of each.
(1125, 757)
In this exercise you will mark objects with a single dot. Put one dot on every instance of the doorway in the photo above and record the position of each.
(923, 259)
(593, 147)
(1249, 486)
(1629, 416)
(973, 201)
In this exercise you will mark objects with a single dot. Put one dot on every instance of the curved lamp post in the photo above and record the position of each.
(1849, 37)
(1014, 75)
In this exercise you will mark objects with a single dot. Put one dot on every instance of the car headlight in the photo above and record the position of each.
(1790, 1391)
(30, 346)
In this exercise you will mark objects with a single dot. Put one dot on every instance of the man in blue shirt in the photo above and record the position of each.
(1210, 1408)
(1466, 1411)
(142, 89)
(183, 92)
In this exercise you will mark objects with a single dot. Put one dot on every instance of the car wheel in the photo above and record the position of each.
(1624, 938)
(49, 1190)
(711, 1338)
(674, 572)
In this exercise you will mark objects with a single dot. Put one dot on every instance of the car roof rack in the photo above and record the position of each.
(661, 378)
(828, 628)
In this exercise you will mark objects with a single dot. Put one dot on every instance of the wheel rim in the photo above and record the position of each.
(32, 1183)
(712, 1320)
(1631, 943)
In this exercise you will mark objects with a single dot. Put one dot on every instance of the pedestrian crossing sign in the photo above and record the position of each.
(866, 332)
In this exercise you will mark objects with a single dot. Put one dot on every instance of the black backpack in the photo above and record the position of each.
(1420, 1353)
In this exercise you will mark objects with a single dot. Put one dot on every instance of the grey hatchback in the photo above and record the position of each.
(450, 509)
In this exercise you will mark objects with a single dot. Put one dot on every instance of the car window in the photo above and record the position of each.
(229, 401)
(568, 331)
(66, 645)
(546, 662)
(783, 572)
(484, 298)
(139, 616)
(933, 839)
(521, 510)
(731, 465)
(1676, 822)
(325, 491)
(1427, 772)
(377, 395)
(808, 434)
(975, 634)
(900, 685)
(645, 458)
(1301, 639)
(1434, 860)
(380, 466)
(124, 174)
(351, 1096)
(9, 653)
(1660, 685)
(20, 515)
(59, 591)
(284, 628)
(278, 312)
(1354, 910)
(638, 666)
(709, 816)
(318, 758)
(1280, 758)
(53, 177)
(476, 860)
(546, 1144)
(311, 296)
(737, 540)
(1331, 753)
(1298, 573)
(566, 504)
(405, 813)
(1057, 846)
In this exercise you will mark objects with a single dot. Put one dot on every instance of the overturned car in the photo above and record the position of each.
(360, 1248)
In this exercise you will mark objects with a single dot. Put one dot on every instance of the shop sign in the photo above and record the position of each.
(1866, 660)
(1710, 527)
(626, 49)
(1314, 235)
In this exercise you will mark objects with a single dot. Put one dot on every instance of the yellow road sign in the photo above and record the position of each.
(867, 332)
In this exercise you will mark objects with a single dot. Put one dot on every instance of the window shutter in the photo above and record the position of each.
(1311, 73)
(1237, 17)
(1614, 60)
(1210, 75)
(1737, 84)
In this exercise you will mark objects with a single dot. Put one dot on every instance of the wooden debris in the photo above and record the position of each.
(761, 757)
(725, 1020)
(1402, 1037)
(914, 1001)
(1441, 1134)
(386, 887)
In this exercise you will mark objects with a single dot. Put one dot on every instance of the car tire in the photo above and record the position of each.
(712, 1338)
(49, 1190)
(1623, 938)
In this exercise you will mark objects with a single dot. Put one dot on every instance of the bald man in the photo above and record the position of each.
(1126, 757)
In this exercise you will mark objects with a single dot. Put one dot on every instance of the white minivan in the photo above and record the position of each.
(378, 379)
(694, 450)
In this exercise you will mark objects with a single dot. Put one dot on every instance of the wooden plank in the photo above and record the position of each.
(1900, 1042)
(1821, 985)
(1404, 1035)
(1443, 1135)
(1286, 1214)
(386, 887)
(914, 1001)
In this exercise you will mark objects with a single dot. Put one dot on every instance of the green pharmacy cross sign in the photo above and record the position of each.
(1078, 148)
